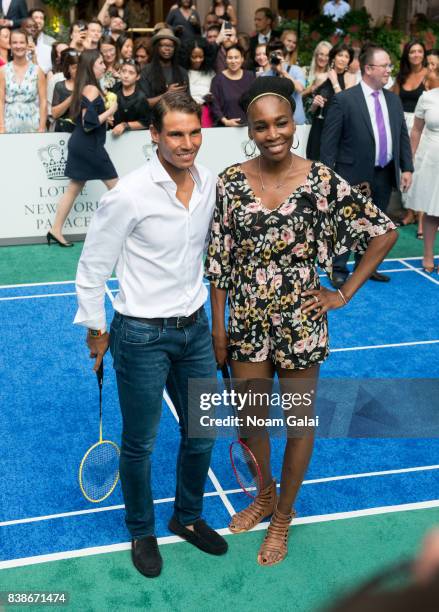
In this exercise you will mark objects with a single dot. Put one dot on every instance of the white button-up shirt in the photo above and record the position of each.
(336, 10)
(157, 242)
(370, 101)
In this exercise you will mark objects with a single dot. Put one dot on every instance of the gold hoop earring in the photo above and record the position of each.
(297, 145)
(252, 144)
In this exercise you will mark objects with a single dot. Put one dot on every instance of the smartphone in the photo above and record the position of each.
(227, 25)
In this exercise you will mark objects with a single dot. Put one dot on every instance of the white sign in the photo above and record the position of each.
(32, 177)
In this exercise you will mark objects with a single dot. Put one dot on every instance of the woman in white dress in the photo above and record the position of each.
(424, 192)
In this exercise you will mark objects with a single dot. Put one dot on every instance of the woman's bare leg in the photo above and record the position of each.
(64, 207)
(298, 450)
(243, 374)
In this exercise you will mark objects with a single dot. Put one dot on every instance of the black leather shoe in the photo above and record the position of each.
(337, 280)
(380, 278)
(203, 537)
(146, 556)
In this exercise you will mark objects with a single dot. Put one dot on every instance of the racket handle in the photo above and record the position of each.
(225, 371)
(100, 374)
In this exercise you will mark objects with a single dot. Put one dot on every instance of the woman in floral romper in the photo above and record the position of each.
(277, 216)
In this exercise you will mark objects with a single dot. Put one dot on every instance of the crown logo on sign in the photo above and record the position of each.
(54, 160)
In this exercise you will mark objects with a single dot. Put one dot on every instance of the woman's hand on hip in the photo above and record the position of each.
(320, 301)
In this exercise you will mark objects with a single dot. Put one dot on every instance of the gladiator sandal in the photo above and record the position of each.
(263, 505)
(276, 538)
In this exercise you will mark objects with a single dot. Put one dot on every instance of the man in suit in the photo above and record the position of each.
(14, 11)
(365, 140)
(264, 22)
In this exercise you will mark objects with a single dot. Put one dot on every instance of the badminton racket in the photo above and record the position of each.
(244, 465)
(99, 469)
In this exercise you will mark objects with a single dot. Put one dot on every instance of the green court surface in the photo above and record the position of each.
(324, 560)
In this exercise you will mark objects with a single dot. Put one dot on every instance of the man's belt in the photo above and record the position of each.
(177, 322)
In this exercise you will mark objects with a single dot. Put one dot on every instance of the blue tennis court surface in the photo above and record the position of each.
(49, 417)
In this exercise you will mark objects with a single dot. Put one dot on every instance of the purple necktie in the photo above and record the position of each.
(382, 136)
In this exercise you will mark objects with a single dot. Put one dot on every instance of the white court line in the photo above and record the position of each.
(306, 520)
(382, 346)
(211, 475)
(67, 282)
(36, 519)
(421, 272)
(33, 297)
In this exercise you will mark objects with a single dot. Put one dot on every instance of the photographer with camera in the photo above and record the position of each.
(279, 67)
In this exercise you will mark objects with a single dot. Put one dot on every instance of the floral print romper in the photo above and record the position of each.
(266, 259)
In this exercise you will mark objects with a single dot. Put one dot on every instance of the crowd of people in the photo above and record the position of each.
(214, 62)
(274, 216)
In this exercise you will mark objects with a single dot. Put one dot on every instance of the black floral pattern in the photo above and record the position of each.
(266, 259)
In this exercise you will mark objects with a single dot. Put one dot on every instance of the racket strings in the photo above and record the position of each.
(245, 467)
(99, 471)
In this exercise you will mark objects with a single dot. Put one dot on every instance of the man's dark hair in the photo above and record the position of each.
(267, 12)
(31, 12)
(367, 55)
(95, 21)
(173, 101)
(214, 27)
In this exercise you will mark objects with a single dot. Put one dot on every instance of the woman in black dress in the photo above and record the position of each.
(87, 158)
(338, 79)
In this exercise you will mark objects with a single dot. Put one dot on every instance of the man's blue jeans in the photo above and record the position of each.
(146, 359)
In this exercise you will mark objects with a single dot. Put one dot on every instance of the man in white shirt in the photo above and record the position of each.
(336, 9)
(43, 45)
(154, 224)
(365, 139)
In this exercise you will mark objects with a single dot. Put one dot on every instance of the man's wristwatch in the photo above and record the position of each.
(97, 333)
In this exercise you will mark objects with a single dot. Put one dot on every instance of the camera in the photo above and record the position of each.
(227, 25)
(275, 59)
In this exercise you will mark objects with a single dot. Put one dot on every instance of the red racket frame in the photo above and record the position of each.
(258, 470)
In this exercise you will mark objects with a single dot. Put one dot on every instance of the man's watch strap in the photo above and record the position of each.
(97, 333)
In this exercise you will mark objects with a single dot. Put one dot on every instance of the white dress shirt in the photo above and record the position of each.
(5, 6)
(370, 101)
(44, 54)
(264, 38)
(157, 242)
(336, 10)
